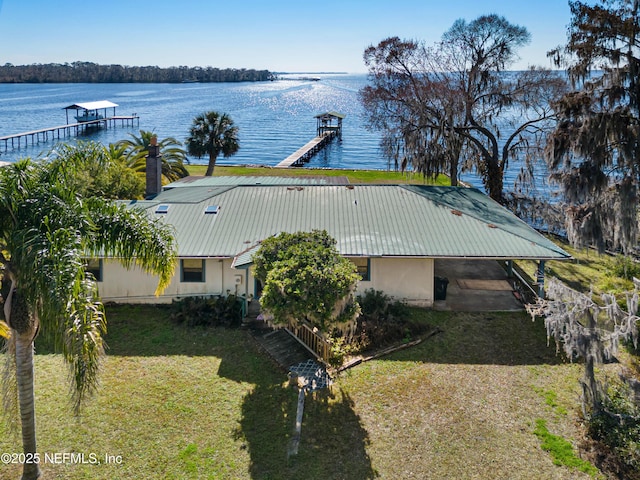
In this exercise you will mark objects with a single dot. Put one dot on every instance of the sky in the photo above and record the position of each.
(274, 35)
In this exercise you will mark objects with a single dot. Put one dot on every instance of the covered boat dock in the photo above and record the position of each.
(88, 115)
(91, 110)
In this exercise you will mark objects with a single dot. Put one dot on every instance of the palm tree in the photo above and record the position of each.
(173, 155)
(211, 134)
(99, 170)
(46, 232)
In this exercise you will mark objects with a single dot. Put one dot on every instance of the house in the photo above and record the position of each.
(395, 234)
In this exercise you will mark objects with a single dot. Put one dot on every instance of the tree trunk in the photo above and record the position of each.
(453, 174)
(591, 389)
(211, 166)
(24, 374)
(494, 180)
(24, 328)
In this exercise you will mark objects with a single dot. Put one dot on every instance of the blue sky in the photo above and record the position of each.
(277, 35)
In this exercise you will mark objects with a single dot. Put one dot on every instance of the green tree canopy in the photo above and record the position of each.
(95, 170)
(88, 72)
(47, 231)
(136, 148)
(453, 103)
(212, 134)
(594, 152)
(305, 278)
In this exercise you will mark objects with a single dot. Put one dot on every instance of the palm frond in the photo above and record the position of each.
(172, 154)
(83, 345)
(132, 238)
(47, 229)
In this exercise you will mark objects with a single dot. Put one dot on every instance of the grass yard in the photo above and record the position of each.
(588, 269)
(182, 403)
(354, 176)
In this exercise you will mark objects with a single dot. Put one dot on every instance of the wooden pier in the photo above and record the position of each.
(304, 154)
(63, 131)
(326, 131)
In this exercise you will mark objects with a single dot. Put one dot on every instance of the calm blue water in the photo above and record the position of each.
(274, 118)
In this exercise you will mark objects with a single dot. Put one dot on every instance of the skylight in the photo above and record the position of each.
(162, 208)
(211, 210)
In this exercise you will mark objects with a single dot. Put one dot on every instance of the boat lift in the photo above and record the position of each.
(91, 110)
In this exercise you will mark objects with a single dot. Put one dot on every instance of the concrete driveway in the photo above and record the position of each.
(476, 286)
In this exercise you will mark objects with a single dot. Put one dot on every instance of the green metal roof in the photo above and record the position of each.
(231, 180)
(189, 195)
(366, 220)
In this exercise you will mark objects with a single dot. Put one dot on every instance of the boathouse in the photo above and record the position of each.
(91, 111)
(91, 114)
(326, 123)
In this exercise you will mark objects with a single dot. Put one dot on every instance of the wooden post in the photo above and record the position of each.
(295, 441)
(540, 279)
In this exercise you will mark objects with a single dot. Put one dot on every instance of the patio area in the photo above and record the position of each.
(476, 286)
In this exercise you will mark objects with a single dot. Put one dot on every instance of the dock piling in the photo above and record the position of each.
(326, 131)
(66, 130)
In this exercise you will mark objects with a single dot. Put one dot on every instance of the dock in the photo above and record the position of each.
(63, 131)
(326, 131)
(304, 154)
(88, 116)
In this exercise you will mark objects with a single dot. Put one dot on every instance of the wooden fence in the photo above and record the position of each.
(310, 339)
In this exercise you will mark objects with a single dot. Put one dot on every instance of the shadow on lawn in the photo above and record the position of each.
(333, 441)
(487, 338)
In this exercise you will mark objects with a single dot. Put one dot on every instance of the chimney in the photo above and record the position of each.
(153, 169)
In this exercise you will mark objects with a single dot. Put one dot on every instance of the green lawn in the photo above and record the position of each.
(181, 403)
(586, 270)
(354, 176)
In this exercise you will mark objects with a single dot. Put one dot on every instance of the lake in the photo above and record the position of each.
(274, 118)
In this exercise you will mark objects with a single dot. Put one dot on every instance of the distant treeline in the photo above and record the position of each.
(87, 72)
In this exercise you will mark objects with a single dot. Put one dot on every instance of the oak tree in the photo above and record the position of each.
(593, 152)
(454, 103)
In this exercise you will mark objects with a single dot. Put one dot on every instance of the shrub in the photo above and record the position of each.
(208, 311)
(383, 321)
(618, 427)
(340, 349)
(624, 267)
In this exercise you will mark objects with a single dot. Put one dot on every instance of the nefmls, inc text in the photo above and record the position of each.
(81, 458)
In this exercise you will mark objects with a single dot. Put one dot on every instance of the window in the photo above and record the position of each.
(364, 267)
(94, 267)
(192, 270)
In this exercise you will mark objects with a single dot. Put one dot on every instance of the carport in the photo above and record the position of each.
(476, 285)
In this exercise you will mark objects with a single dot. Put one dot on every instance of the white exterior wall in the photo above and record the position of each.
(135, 286)
(407, 279)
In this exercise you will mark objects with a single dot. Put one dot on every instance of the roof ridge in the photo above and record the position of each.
(501, 211)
